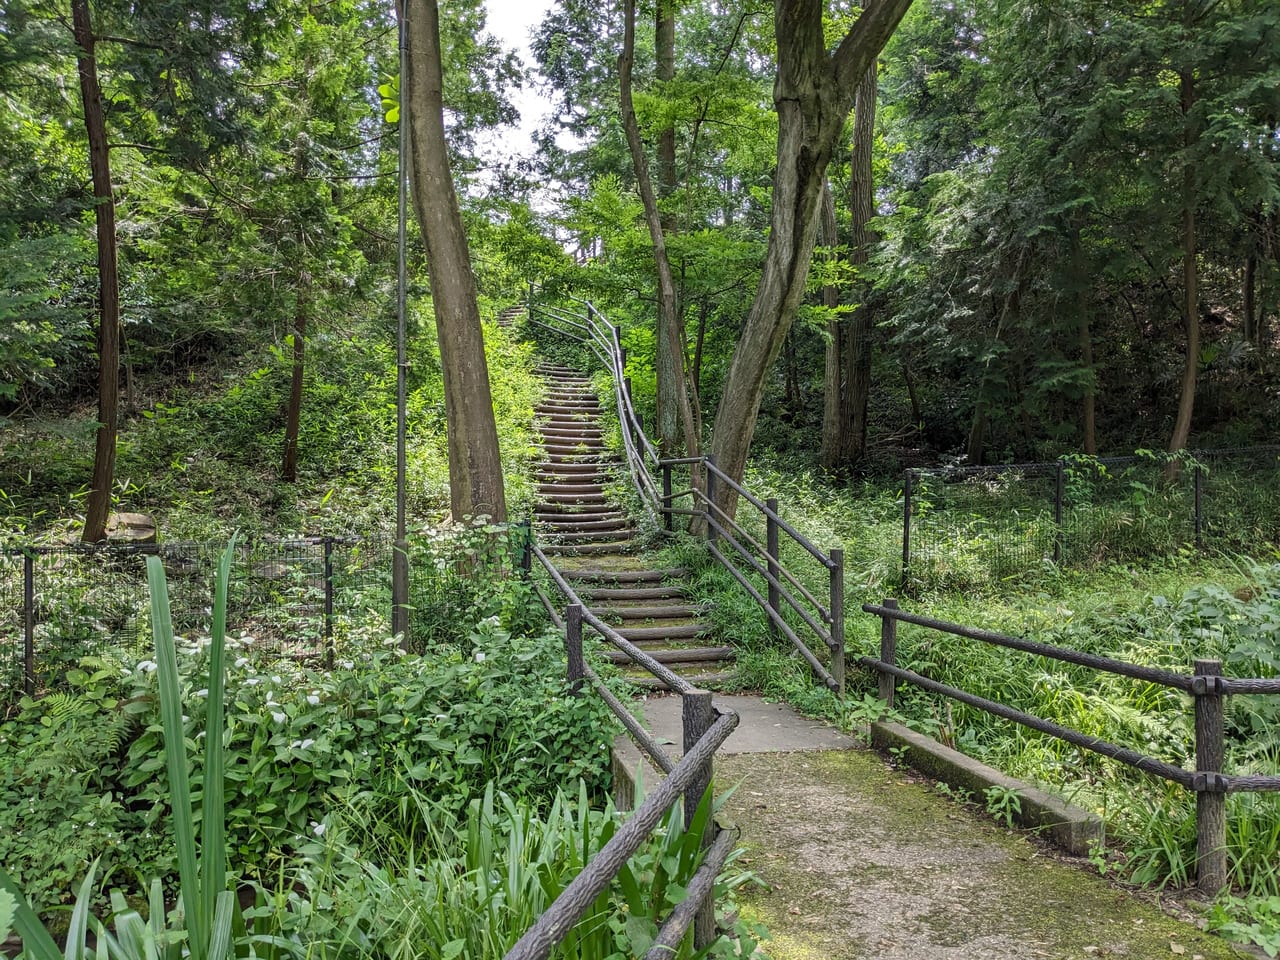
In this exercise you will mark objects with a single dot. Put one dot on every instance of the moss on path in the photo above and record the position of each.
(862, 864)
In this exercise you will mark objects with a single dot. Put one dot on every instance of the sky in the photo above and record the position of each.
(512, 21)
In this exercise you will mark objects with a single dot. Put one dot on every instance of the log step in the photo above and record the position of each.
(675, 612)
(678, 655)
(686, 631)
(624, 576)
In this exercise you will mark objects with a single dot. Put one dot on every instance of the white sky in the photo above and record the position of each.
(513, 21)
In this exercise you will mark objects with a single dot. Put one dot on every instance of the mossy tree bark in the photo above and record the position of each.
(475, 466)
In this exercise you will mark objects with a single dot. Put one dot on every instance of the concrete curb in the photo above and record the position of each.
(1068, 826)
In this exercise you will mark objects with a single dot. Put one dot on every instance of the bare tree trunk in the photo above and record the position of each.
(832, 379)
(858, 340)
(293, 411)
(1190, 278)
(674, 410)
(813, 94)
(475, 466)
(98, 508)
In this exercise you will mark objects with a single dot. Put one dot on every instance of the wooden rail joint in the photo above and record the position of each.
(1209, 685)
(1210, 783)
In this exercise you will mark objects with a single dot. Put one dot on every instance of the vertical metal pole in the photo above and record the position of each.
(906, 527)
(400, 552)
(328, 602)
(1059, 493)
(888, 652)
(525, 532)
(1198, 479)
(622, 351)
(837, 620)
(709, 510)
(29, 621)
(1211, 796)
(668, 522)
(775, 570)
(576, 671)
(697, 715)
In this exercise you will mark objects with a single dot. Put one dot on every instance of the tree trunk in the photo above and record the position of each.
(1190, 278)
(858, 342)
(813, 94)
(1080, 279)
(293, 411)
(1249, 286)
(104, 456)
(665, 47)
(475, 466)
(832, 379)
(673, 409)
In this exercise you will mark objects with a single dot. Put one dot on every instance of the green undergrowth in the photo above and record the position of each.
(203, 455)
(1166, 612)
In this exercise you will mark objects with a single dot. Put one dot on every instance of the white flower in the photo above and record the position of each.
(203, 692)
(479, 656)
(278, 716)
(317, 828)
(242, 661)
(347, 664)
(126, 672)
(308, 742)
(147, 666)
(275, 678)
(252, 682)
(313, 700)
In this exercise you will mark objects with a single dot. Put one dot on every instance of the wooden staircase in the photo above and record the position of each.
(592, 542)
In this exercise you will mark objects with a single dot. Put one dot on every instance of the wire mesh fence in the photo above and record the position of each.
(300, 599)
(975, 525)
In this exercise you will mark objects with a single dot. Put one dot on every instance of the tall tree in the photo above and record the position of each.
(813, 93)
(675, 412)
(475, 467)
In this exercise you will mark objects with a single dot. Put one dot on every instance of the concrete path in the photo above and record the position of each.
(863, 861)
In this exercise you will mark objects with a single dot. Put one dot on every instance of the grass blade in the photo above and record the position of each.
(176, 759)
(213, 844)
(36, 942)
(79, 928)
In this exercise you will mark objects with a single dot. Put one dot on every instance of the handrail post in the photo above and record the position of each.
(576, 671)
(1211, 797)
(711, 499)
(888, 651)
(622, 351)
(29, 621)
(1059, 494)
(328, 603)
(906, 527)
(697, 715)
(837, 620)
(775, 570)
(668, 521)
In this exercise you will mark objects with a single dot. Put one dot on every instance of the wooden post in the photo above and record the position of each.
(697, 715)
(711, 497)
(573, 648)
(668, 521)
(775, 570)
(1059, 494)
(888, 652)
(837, 620)
(524, 555)
(328, 602)
(1210, 786)
(906, 527)
(29, 621)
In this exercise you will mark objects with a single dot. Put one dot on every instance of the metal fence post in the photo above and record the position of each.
(573, 648)
(622, 351)
(1197, 479)
(711, 497)
(697, 715)
(29, 621)
(668, 521)
(906, 527)
(775, 570)
(328, 602)
(1059, 494)
(1210, 786)
(524, 553)
(837, 620)
(888, 652)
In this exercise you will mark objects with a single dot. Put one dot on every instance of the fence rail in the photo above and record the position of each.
(1006, 520)
(1206, 685)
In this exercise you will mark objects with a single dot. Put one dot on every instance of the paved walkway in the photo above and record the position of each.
(863, 861)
